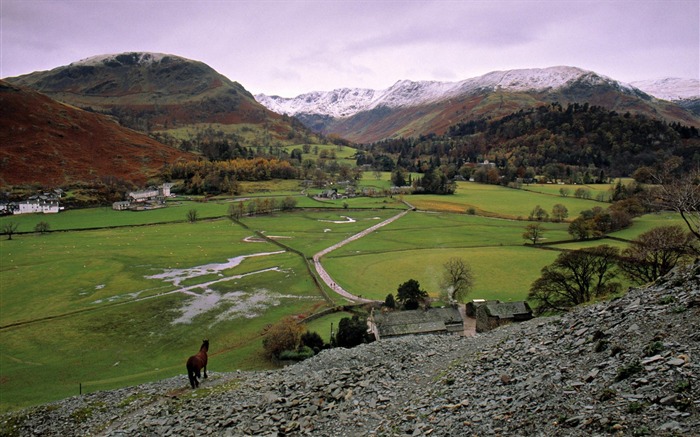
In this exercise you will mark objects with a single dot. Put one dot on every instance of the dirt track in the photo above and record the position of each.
(324, 274)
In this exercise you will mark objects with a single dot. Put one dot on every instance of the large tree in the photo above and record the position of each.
(681, 193)
(351, 332)
(410, 295)
(559, 212)
(657, 251)
(574, 278)
(457, 279)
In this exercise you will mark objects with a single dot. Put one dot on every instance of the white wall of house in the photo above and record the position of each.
(140, 196)
(36, 206)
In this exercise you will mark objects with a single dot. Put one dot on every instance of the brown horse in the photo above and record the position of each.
(197, 362)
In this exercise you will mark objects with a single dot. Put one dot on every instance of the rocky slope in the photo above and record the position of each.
(625, 367)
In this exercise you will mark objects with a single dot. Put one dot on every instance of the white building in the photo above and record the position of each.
(39, 204)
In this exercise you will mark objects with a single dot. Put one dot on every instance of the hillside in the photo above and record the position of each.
(155, 92)
(410, 109)
(52, 144)
(624, 367)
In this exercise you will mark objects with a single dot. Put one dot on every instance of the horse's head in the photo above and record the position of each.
(205, 344)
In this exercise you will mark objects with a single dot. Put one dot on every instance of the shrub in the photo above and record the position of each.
(284, 335)
(312, 340)
(300, 354)
(625, 372)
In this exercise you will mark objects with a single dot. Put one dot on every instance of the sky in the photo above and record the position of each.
(289, 47)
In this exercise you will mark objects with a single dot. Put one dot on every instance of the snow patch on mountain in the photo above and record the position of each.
(346, 102)
(138, 58)
(670, 88)
(341, 102)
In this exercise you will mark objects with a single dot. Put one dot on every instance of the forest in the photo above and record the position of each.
(578, 143)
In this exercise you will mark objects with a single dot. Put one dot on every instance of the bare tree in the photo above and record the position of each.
(681, 194)
(9, 228)
(42, 227)
(457, 280)
(533, 232)
(655, 252)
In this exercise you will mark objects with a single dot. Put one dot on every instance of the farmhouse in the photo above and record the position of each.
(492, 314)
(46, 203)
(150, 198)
(428, 321)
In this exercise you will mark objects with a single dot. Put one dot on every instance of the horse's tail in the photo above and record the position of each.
(192, 374)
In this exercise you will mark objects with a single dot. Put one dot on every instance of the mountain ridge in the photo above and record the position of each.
(154, 92)
(410, 108)
(403, 92)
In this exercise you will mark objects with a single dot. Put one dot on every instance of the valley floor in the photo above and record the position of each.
(624, 367)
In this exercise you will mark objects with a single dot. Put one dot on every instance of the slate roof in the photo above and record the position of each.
(417, 321)
(507, 310)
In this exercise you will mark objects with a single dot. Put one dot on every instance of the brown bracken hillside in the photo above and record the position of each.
(52, 144)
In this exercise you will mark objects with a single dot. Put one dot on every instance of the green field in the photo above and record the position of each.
(498, 201)
(419, 244)
(115, 298)
(90, 297)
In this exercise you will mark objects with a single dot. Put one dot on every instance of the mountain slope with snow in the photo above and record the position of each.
(670, 88)
(410, 108)
(346, 102)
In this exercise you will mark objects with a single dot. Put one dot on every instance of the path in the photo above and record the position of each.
(324, 274)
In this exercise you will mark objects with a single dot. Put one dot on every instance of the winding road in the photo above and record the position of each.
(327, 278)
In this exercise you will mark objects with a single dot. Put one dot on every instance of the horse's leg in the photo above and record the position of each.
(190, 375)
(205, 371)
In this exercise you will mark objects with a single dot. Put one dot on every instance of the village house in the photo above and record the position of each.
(150, 198)
(422, 321)
(46, 203)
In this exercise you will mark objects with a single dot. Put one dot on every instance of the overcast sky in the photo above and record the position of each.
(288, 47)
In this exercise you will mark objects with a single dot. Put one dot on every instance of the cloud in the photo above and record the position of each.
(289, 47)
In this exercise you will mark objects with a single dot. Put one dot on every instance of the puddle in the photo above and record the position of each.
(236, 304)
(347, 220)
(232, 304)
(177, 276)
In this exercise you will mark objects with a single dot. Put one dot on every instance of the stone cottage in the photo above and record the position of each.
(492, 314)
(421, 321)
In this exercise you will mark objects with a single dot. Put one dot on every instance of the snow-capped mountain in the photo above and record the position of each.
(133, 58)
(670, 88)
(346, 102)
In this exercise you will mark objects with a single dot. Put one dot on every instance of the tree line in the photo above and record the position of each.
(578, 143)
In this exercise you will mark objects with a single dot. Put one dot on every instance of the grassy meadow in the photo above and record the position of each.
(115, 298)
